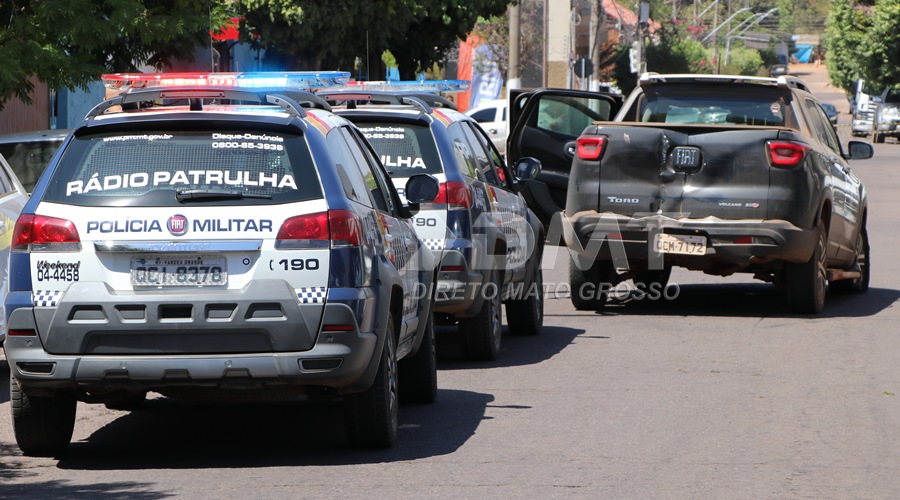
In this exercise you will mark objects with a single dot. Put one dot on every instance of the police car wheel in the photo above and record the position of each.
(418, 373)
(526, 316)
(42, 425)
(481, 334)
(372, 416)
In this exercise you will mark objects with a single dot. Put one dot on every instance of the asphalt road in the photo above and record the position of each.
(721, 392)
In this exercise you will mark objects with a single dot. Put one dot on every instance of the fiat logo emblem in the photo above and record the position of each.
(178, 225)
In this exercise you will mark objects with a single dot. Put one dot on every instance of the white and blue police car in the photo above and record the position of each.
(223, 231)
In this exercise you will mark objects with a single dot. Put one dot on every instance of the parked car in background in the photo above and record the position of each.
(778, 70)
(12, 199)
(28, 153)
(862, 110)
(492, 116)
(887, 116)
(831, 111)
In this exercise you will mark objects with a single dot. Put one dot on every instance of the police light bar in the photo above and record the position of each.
(271, 79)
(438, 86)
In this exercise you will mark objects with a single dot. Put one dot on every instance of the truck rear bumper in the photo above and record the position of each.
(741, 242)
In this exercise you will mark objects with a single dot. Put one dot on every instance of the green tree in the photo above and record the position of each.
(846, 38)
(884, 42)
(69, 43)
(311, 34)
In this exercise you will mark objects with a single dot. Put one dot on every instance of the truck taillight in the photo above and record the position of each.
(37, 233)
(786, 154)
(454, 193)
(591, 147)
(337, 228)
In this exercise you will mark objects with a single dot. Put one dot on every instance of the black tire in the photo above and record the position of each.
(526, 316)
(807, 282)
(43, 425)
(648, 278)
(372, 417)
(878, 138)
(418, 373)
(590, 287)
(862, 264)
(481, 334)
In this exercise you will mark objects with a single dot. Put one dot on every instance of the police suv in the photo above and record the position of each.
(241, 237)
(487, 241)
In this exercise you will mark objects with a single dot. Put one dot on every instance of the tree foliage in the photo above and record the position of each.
(69, 43)
(863, 42)
(311, 34)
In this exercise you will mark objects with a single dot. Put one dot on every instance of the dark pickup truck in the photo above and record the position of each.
(721, 174)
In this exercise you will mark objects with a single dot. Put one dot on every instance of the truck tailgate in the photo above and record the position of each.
(685, 171)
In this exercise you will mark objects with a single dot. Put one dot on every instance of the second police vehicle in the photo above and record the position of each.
(487, 241)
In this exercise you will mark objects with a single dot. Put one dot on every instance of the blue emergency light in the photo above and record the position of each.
(259, 80)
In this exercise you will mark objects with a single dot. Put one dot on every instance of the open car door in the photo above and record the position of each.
(545, 124)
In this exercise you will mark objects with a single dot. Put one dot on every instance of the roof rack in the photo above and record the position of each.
(648, 79)
(430, 86)
(352, 96)
(288, 99)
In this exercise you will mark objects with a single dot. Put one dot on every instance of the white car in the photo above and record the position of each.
(493, 118)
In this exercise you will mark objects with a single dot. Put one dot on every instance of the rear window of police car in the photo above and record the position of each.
(405, 149)
(149, 168)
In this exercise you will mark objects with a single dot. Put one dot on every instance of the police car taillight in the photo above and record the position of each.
(454, 193)
(37, 233)
(339, 228)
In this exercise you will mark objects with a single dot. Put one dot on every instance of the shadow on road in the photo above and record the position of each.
(167, 434)
(515, 350)
(751, 300)
(4, 382)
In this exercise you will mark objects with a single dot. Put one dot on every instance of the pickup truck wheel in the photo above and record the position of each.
(861, 284)
(806, 282)
(481, 334)
(372, 417)
(878, 138)
(418, 373)
(43, 425)
(526, 316)
(652, 279)
(590, 287)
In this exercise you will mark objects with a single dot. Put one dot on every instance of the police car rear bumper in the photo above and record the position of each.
(459, 287)
(339, 356)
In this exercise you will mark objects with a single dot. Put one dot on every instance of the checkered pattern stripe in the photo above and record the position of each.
(46, 298)
(313, 295)
(433, 243)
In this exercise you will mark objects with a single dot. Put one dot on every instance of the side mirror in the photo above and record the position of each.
(421, 188)
(860, 150)
(527, 168)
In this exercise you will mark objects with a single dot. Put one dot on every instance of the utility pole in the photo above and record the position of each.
(716, 39)
(513, 80)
